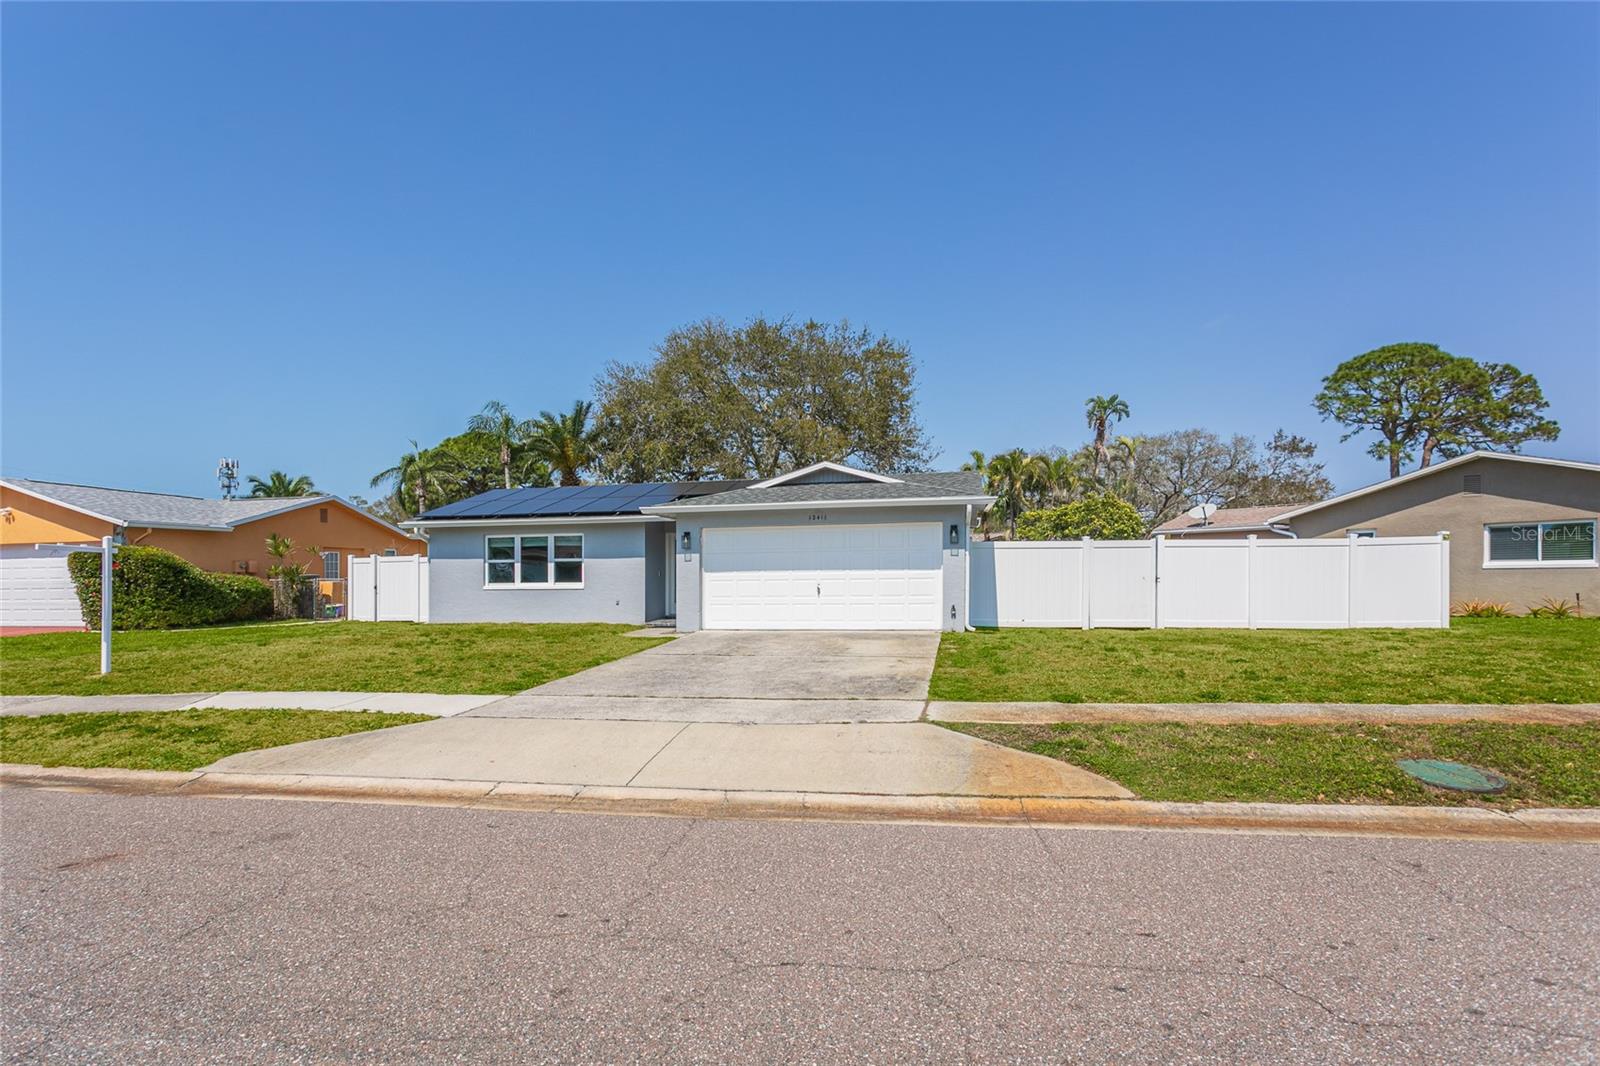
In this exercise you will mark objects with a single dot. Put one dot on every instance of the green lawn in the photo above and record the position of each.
(338, 656)
(1547, 766)
(1476, 660)
(172, 740)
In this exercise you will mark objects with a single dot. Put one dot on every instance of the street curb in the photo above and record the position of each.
(1555, 825)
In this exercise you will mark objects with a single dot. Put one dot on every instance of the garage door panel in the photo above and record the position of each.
(799, 577)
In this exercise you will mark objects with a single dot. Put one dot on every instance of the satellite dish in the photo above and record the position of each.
(1203, 512)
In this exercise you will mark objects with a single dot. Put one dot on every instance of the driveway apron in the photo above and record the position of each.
(746, 677)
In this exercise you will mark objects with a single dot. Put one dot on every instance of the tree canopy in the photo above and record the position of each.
(758, 399)
(1420, 399)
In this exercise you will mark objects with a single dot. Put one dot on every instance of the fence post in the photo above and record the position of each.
(107, 555)
(1155, 584)
(1083, 586)
(1444, 579)
(1350, 579)
(1249, 582)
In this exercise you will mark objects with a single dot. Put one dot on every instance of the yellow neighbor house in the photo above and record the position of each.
(41, 522)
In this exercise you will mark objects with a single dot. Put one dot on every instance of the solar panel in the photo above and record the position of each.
(471, 504)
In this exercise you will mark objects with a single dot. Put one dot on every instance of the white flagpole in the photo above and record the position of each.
(106, 550)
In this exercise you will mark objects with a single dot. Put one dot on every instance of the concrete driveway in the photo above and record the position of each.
(746, 677)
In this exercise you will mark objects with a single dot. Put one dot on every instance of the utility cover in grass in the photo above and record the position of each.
(1452, 775)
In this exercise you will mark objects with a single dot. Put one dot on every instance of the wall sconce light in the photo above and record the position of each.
(955, 535)
(684, 539)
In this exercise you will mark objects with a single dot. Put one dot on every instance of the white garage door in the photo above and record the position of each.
(823, 577)
(36, 590)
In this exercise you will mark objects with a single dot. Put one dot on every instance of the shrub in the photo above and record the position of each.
(154, 589)
(1482, 609)
(1551, 608)
(1101, 516)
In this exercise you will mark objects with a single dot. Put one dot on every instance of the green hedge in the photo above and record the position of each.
(154, 589)
(1102, 516)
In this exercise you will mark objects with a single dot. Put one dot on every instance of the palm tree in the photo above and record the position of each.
(1101, 412)
(565, 442)
(414, 473)
(1009, 480)
(1054, 480)
(497, 422)
(286, 576)
(977, 462)
(280, 484)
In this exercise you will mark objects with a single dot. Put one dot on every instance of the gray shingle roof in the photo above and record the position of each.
(130, 508)
(953, 484)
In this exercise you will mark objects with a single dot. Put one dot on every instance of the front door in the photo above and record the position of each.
(670, 577)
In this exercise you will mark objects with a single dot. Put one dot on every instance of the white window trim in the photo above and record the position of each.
(338, 564)
(1536, 564)
(516, 560)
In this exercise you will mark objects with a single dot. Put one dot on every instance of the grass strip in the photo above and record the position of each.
(173, 740)
(1546, 765)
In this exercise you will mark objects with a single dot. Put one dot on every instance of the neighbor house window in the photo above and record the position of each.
(540, 560)
(1540, 544)
(390, 551)
(1362, 532)
(330, 566)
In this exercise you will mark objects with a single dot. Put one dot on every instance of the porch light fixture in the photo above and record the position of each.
(684, 539)
(955, 535)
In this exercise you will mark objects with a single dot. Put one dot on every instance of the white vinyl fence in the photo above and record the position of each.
(389, 588)
(1250, 583)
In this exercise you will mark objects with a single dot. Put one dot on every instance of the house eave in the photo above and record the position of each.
(61, 503)
(1355, 494)
(812, 505)
(533, 520)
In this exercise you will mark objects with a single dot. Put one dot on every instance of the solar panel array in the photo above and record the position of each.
(568, 500)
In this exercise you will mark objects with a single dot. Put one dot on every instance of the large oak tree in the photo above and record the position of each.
(758, 399)
(1419, 398)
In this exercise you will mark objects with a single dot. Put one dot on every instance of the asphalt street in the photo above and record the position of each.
(140, 929)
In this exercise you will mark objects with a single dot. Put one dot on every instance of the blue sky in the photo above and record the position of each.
(301, 235)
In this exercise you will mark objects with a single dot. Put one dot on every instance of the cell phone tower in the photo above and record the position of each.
(228, 477)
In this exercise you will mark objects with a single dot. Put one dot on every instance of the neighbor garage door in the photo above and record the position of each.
(36, 590)
(823, 577)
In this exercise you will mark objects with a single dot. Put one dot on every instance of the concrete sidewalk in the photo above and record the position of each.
(1265, 713)
(910, 759)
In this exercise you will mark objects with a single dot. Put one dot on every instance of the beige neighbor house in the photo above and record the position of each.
(1522, 528)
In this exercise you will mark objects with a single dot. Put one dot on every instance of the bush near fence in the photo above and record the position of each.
(155, 589)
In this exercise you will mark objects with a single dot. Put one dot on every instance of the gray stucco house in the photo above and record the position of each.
(826, 547)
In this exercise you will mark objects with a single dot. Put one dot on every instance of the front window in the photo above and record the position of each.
(539, 560)
(330, 566)
(1540, 544)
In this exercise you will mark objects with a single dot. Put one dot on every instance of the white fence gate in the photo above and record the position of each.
(36, 588)
(1242, 584)
(389, 588)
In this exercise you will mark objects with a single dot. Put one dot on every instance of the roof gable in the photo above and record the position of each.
(826, 473)
(956, 486)
(1448, 464)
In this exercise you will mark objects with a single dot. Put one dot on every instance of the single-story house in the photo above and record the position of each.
(41, 522)
(825, 547)
(1522, 527)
